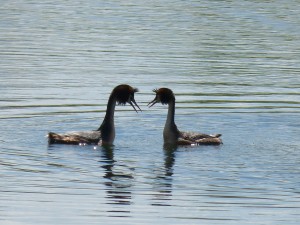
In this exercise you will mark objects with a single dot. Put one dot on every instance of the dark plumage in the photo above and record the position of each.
(171, 134)
(105, 134)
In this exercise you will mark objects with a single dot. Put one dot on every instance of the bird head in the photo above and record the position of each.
(125, 94)
(163, 95)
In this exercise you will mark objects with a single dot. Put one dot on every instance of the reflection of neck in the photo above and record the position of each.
(169, 158)
(170, 130)
(107, 127)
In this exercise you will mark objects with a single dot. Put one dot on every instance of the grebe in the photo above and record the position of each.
(105, 134)
(171, 134)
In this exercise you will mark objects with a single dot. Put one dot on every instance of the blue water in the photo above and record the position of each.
(234, 68)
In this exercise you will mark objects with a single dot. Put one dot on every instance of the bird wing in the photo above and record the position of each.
(193, 136)
(199, 138)
(77, 137)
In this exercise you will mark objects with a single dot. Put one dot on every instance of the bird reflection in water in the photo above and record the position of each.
(169, 151)
(118, 182)
(163, 179)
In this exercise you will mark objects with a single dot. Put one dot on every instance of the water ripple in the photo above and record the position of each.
(234, 68)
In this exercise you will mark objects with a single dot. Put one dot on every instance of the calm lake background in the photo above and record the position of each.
(235, 69)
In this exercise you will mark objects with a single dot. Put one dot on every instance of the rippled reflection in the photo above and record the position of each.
(117, 181)
(163, 181)
(169, 157)
(234, 67)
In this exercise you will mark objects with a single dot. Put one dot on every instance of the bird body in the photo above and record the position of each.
(105, 134)
(171, 133)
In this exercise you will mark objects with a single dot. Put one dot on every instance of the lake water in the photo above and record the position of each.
(235, 69)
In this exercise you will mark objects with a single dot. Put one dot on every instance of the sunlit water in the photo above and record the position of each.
(234, 67)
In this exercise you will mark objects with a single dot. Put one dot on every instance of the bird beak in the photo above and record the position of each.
(133, 103)
(152, 103)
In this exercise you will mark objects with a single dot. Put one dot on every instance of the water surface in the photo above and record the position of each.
(234, 67)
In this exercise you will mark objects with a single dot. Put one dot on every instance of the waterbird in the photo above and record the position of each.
(105, 134)
(171, 133)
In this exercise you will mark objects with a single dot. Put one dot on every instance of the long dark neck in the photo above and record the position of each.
(171, 132)
(107, 127)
